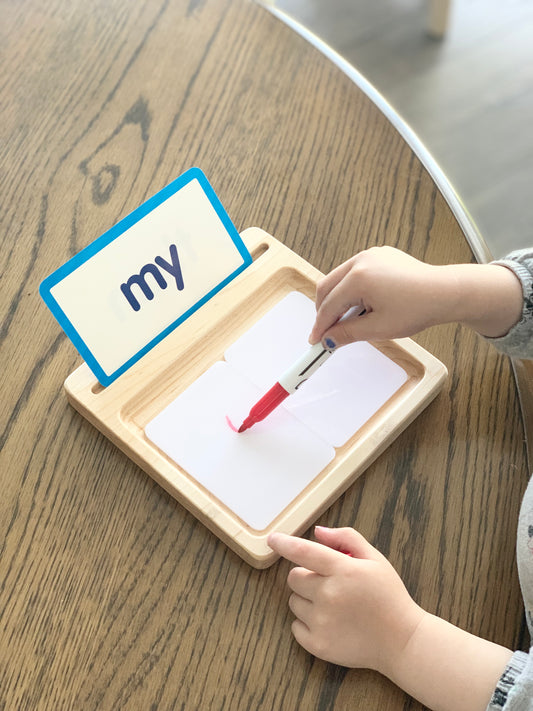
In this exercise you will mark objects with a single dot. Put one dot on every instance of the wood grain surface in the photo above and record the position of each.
(112, 596)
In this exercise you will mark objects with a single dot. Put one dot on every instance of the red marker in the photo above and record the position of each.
(289, 382)
(293, 377)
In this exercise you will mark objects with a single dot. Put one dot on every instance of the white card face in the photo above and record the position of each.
(346, 391)
(341, 396)
(274, 342)
(256, 474)
(129, 288)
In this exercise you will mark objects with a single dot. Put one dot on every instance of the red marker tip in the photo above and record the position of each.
(264, 407)
(248, 422)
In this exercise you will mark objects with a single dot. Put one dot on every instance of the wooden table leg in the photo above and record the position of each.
(438, 16)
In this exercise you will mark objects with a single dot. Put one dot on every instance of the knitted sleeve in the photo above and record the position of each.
(514, 691)
(519, 341)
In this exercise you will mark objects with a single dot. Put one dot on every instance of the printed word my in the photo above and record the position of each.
(173, 267)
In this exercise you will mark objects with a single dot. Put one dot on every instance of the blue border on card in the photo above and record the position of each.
(50, 281)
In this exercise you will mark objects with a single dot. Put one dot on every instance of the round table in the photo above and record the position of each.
(112, 595)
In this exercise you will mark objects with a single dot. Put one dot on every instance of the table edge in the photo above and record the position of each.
(522, 371)
(475, 241)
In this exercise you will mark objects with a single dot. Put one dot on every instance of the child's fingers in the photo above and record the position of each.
(329, 282)
(334, 306)
(364, 327)
(302, 634)
(301, 608)
(304, 582)
(308, 554)
(348, 541)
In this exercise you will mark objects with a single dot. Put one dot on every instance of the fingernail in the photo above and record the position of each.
(322, 528)
(330, 344)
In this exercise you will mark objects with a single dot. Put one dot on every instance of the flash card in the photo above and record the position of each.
(131, 287)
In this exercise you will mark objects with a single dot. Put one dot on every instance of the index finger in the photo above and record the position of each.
(330, 281)
(335, 306)
(308, 554)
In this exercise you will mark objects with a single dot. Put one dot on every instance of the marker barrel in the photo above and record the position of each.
(304, 367)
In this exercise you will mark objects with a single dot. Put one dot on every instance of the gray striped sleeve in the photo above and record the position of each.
(514, 691)
(518, 342)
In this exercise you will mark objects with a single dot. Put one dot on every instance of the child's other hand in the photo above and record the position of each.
(352, 610)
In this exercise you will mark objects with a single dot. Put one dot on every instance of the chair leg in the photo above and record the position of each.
(438, 16)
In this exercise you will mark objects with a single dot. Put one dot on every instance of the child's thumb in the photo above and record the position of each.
(356, 328)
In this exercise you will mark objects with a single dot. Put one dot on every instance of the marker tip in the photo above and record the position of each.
(248, 422)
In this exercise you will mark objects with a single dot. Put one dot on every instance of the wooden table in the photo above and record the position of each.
(111, 595)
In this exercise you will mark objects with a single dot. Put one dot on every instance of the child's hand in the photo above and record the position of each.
(353, 611)
(402, 296)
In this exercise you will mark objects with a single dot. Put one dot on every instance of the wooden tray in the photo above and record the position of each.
(122, 410)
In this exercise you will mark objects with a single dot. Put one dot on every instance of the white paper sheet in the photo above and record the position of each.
(256, 474)
(259, 472)
(341, 396)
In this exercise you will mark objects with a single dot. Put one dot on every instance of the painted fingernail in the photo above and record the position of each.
(330, 344)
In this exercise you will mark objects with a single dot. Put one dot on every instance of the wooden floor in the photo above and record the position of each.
(469, 98)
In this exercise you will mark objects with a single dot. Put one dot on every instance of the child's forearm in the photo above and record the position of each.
(448, 669)
(485, 297)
